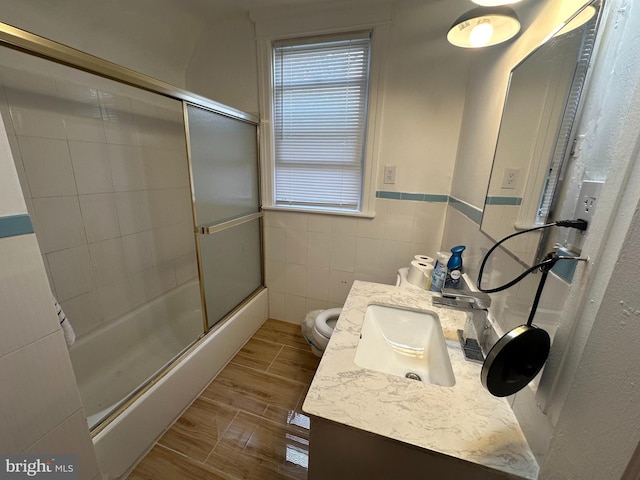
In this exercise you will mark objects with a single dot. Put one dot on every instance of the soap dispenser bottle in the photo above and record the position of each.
(454, 267)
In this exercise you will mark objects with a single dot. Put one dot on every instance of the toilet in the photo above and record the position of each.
(320, 325)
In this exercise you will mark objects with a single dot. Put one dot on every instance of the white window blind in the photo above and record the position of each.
(320, 106)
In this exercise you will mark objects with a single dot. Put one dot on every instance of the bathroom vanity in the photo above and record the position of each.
(369, 424)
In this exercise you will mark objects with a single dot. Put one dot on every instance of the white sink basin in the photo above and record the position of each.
(399, 342)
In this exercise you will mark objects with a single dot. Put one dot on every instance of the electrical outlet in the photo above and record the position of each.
(510, 178)
(587, 200)
(390, 174)
(585, 208)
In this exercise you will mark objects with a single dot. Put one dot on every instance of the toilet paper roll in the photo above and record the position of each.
(419, 274)
(424, 259)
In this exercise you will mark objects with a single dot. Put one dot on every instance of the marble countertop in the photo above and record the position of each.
(464, 421)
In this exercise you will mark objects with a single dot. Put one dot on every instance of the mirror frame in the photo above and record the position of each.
(527, 249)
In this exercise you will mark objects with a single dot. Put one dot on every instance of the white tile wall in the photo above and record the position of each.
(70, 436)
(133, 211)
(34, 105)
(296, 280)
(106, 182)
(119, 124)
(108, 261)
(44, 362)
(71, 272)
(186, 268)
(137, 251)
(126, 167)
(114, 299)
(100, 216)
(84, 307)
(311, 260)
(319, 249)
(91, 167)
(182, 238)
(58, 223)
(48, 166)
(40, 408)
(23, 321)
(81, 113)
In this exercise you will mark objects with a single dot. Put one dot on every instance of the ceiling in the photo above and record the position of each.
(158, 37)
(215, 9)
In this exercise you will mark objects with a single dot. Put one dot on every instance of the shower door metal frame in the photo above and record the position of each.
(35, 45)
(211, 229)
(38, 46)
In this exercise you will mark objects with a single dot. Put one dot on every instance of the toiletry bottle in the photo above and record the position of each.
(439, 272)
(454, 267)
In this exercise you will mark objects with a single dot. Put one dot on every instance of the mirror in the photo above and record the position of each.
(535, 131)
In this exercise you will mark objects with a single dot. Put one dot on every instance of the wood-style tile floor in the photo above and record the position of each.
(248, 423)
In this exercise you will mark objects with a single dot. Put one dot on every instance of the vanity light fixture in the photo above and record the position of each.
(484, 26)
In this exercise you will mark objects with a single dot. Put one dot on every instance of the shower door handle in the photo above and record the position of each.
(211, 229)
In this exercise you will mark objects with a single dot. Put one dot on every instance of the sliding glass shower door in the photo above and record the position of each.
(224, 170)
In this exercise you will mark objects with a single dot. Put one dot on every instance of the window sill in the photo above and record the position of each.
(341, 213)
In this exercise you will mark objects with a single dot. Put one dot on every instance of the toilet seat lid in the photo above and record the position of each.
(324, 317)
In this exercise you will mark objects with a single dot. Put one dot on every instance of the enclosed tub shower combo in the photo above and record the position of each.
(145, 203)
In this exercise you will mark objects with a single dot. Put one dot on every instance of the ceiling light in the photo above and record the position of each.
(495, 3)
(580, 19)
(483, 26)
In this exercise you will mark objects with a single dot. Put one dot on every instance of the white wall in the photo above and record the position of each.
(224, 64)
(593, 399)
(154, 37)
(423, 99)
(598, 427)
(41, 409)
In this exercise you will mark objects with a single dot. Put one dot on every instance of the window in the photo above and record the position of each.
(320, 97)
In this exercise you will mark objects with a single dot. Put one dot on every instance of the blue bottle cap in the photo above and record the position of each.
(458, 249)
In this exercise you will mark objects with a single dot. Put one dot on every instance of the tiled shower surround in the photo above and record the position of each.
(105, 179)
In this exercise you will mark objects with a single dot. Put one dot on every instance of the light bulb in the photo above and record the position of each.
(481, 34)
(483, 26)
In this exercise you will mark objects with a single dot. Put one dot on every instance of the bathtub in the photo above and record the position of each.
(110, 363)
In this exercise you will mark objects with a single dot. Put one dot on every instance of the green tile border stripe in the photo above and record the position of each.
(504, 201)
(466, 209)
(565, 269)
(474, 213)
(390, 195)
(416, 197)
(14, 225)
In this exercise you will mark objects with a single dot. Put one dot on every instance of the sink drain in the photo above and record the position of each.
(413, 376)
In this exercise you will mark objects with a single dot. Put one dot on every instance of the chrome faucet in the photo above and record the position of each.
(464, 299)
(474, 336)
